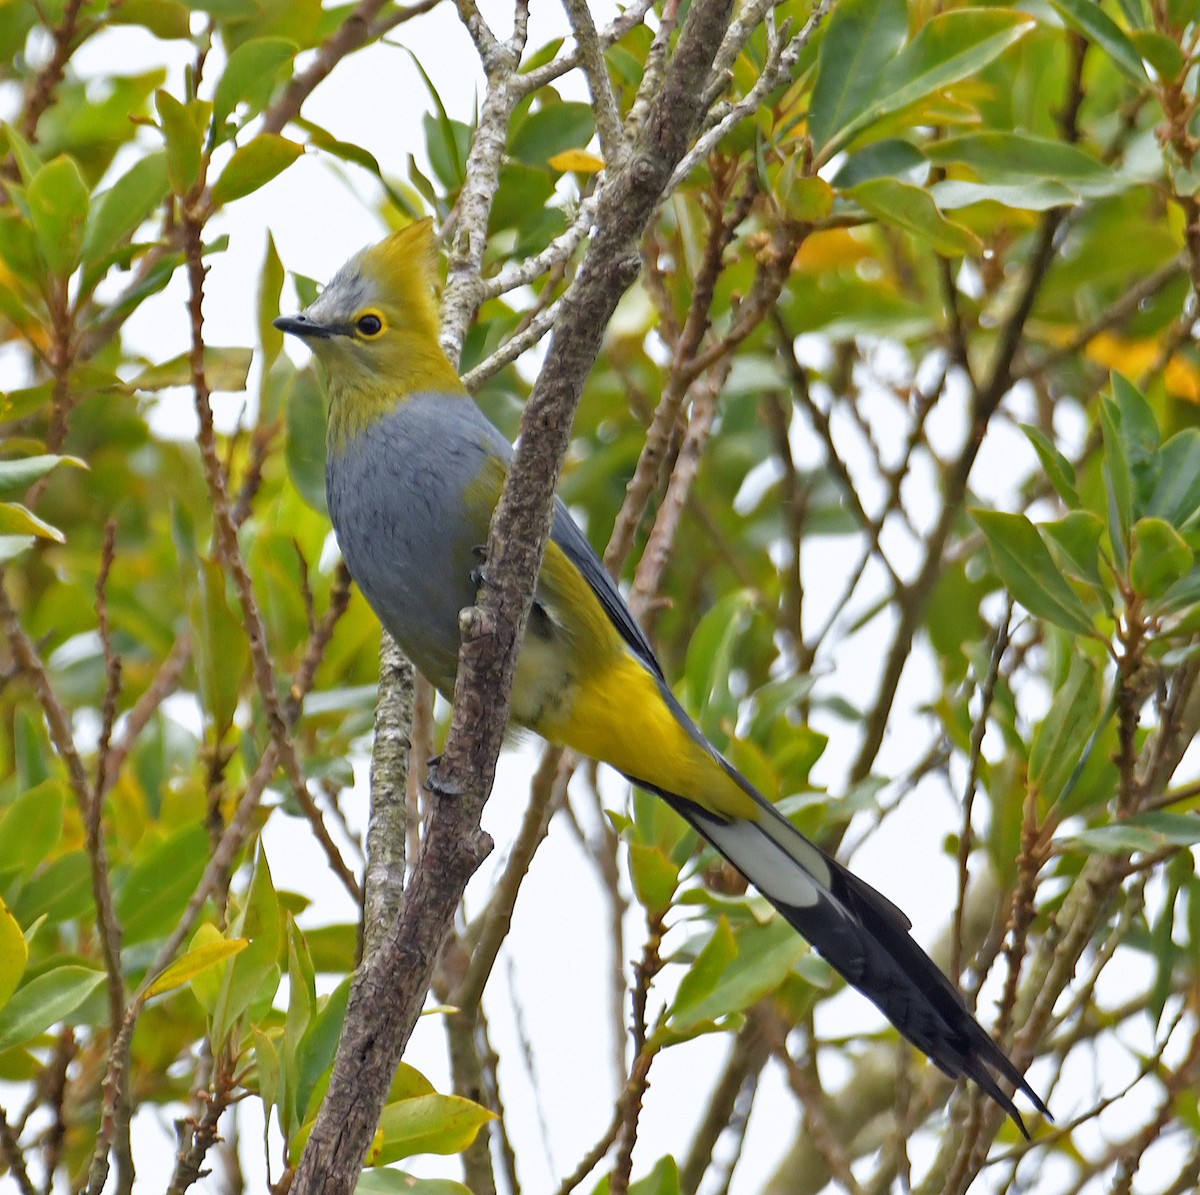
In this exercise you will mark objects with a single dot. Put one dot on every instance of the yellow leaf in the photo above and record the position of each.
(830, 250)
(578, 160)
(1183, 379)
(14, 954)
(199, 959)
(1130, 357)
(1135, 357)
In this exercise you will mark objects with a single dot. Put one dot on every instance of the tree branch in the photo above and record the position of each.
(390, 987)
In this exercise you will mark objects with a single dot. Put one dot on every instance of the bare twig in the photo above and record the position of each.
(500, 61)
(548, 790)
(604, 103)
(360, 27)
(987, 692)
(13, 1157)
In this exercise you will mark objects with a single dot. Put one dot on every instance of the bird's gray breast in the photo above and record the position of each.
(396, 497)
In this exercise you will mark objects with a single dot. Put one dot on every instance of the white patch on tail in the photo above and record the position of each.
(773, 867)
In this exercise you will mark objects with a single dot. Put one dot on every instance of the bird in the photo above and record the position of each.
(413, 472)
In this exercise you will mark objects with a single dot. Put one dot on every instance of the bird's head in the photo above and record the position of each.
(375, 325)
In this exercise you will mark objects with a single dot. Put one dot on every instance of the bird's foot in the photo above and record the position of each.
(479, 576)
(436, 784)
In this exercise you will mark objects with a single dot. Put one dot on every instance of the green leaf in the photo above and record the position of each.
(1176, 497)
(16, 476)
(710, 659)
(270, 288)
(520, 190)
(952, 618)
(765, 956)
(1028, 570)
(1139, 430)
(195, 962)
(953, 193)
(221, 649)
(305, 448)
(58, 210)
(805, 198)
(14, 953)
(912, 209)
(427, 1124)
(160, 884)
(250, 75)
(184, 143)
(167, 19)
(662, 1180)
(952, 46)
(703, 975)
(124, 207)
(315, 1055)
(1160, 51)
(44, 1001)
(18, 520)
(269, 1066)
(1078, 537)
(860, 39)
(1059, 470)
(1119, 482)
(1060, 739)
(224, 369)
(302, 1005)
(550, 130)
(61, 891)
(1144, 832)
(253, 165)
(1131, 444)
(258, 921)
(334, 948)
(655, 878)
(31, 826)
(882, 159)
(1088, 18)
(206, 985)
(24, 154)
(1160, 557)
(999, 156)
(381, 1181)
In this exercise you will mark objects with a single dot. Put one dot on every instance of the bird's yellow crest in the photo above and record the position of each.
(404, 267)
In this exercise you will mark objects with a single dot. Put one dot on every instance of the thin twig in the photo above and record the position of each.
(227, 540)
(613, 145)
(987, 692)
(12, 1155)
(547, 792)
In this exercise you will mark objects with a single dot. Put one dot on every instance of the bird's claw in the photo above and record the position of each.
(479, 576)
(438, 786)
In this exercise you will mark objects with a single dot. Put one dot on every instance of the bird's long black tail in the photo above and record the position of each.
(865, 937)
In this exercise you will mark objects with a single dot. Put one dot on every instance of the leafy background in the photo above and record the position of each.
(917, 326)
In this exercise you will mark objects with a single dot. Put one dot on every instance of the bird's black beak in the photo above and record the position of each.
(301, 325)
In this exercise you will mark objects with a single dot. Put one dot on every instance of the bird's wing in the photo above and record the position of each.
(582, 555)
(565, 532)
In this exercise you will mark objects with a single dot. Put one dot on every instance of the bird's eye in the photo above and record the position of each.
(369, 324)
